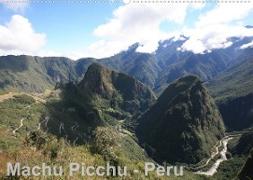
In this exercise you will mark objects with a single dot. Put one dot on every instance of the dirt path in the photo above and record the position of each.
(20, 126)
(10, 95)
(37, 98)
(7, 96)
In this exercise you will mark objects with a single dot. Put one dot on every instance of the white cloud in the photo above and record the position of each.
(225, 13)
(249, 45)
(141, 23)
(214, 29)
(213, 37)
(15, 5)
(18, 37)
(133, 23)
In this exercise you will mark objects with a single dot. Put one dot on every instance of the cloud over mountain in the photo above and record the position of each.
(142, 23)
(138, 23)
(214, 29)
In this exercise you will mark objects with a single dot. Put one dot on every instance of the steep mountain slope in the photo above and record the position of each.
(244, 144)
(205, 66)
(244, 148)
(156, 70)
(94, 110)
(175, 63)
(35, 74)
(168, 63)
(27, 73)
(141, 66)
(104, 97)
(237, 113)
(246, 172)
(235, 81)
(116, 89)
(183, 125)
(233, 91)
(167, 52)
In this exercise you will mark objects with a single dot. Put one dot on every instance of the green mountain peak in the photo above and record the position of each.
(183, 125)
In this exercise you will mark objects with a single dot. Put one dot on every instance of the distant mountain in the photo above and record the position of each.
(35, 74)
(155, 70)
(141, 66)
(205, 66)
(28, 73)
(233, 91)
(167, 52)
(168, 63)
(183, 125)
(175, 63)
(236, 80)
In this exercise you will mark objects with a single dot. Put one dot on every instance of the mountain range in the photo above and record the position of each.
(227, 72)
(168, 106)
(156, 70)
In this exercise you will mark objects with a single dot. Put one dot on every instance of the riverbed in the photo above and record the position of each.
(213, 169)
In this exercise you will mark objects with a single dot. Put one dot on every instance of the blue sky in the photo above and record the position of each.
(67, 25)
(103, 29)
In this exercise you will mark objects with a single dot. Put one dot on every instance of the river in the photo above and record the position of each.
(213, 169)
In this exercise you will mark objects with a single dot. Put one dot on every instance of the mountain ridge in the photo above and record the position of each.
(156, 70)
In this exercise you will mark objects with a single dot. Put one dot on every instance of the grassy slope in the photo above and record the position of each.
(55, 150)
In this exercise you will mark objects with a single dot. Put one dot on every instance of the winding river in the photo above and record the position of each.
(213, 169)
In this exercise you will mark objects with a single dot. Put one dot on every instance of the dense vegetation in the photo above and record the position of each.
(92, 117)
(233, 91)
(156, 70)
(41, 136)
(36, 74)
(183, 125)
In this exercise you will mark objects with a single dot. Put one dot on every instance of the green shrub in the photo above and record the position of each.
(24, 99)
(105, 140)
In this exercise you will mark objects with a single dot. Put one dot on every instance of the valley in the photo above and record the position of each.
(209, 168)
(220, 149)
(130, 109)
(21, 128)
(126, 90)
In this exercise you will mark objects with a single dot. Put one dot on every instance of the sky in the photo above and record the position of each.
(101, 28)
